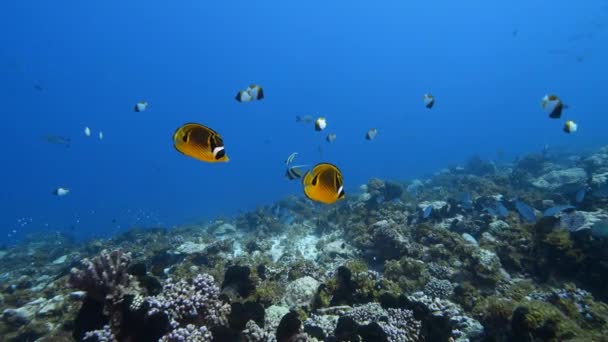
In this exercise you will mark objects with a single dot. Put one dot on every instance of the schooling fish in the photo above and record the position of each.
(61, 192)
(100, 135)
(141, 106)
(371, 134)
(331, 137)
(324, 183)
(429, 100)
(553, 105)
(556, 210)
(580, 195)
(87, 131)
(525, 211)
(304, 119)
(200, 142)
(294, 172)
(57, 140)
(291, 158)
(253, 92)
(320, 124)
(570, 126)
(427, 212)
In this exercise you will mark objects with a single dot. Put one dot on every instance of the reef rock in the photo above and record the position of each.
(568, 180)
(273, 316)
(301, 291)
(580, 220)
(23, 315)
(52, 307)
(599, 185)
(389, 242)
(498, 226)
(338, 248)
(190, 247)
(469, 239)
(437, 312)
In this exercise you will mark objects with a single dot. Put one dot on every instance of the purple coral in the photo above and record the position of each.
(101, 335)
(188, 334)
(186, 302)
(401, 326)
(103, 275)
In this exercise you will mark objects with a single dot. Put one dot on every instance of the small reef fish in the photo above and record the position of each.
(100, 135)
(294, 172)
(320, 124)
(545, 151)
(429, 100)
(57, 140)
(427, 212)
(61, 192)
(200, 142)
(557, 210)
(525, 211)
(371, 134)
(553, 105)
(291, 158)
(570, 126)
(331, 137)
(253, 92)
(498, 209)
(87, 131)
(580, 195)
(466, 200)
(141, 106)
(304, 119)
(324, 183)
(501, 210)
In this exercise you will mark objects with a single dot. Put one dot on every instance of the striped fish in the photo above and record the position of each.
(294, 172)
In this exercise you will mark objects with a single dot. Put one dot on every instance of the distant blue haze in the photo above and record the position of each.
(361, 64)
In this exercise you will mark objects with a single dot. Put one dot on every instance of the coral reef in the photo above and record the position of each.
(481, 252)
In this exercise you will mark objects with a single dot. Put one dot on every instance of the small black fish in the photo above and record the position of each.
(57, 140)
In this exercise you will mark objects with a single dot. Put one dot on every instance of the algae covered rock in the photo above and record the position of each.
(568, 180)
(301, 291)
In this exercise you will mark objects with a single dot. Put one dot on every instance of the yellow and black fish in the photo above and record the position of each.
(200, 142)
(570, 126)
(253, 92)
(324, 183)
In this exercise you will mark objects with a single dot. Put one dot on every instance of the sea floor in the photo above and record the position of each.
(479, 252)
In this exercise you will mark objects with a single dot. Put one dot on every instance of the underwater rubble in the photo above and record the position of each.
(480, 252)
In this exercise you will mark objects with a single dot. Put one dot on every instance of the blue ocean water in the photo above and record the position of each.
(359, 64)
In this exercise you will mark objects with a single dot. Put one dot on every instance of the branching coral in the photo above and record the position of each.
(104, 275)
